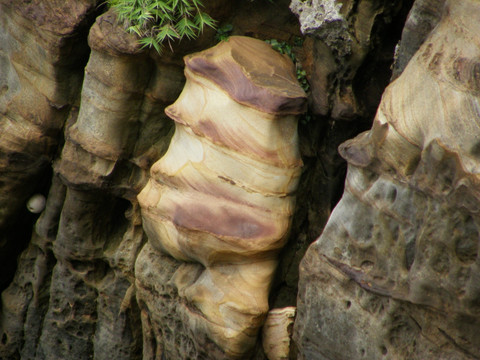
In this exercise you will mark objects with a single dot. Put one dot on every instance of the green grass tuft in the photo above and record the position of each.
(157, 22)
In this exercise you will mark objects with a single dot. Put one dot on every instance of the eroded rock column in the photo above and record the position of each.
(220, 201)
(42, 52)
(73, 294)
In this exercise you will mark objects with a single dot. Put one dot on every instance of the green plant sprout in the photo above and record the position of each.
(159, 21)
(224, 32)
(284, 48)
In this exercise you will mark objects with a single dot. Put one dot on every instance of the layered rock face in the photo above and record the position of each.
(222, 195)
(395, 272)
(90, 285)
(41, 56)
(73, 294)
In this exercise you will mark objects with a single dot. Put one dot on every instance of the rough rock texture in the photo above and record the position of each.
(323, 174)
(41, 60)
(422, 18)
(325, 19)
(347, 53)
(74, 290)
(395, 272)
(120, 128)
(73, 295)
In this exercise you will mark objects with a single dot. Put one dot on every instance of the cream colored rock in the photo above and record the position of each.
(223, 194)
(437, 98)
(277, 333)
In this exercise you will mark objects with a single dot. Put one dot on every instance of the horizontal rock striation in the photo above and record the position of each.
(223, 194)
(41, 60)
(120, 128)
(73, 294)
(82, 123)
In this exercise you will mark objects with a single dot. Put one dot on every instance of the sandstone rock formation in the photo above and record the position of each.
(72, 296)
(82, 121)
(395, 272)
(222, 195)
(41, 59)
(277, 333)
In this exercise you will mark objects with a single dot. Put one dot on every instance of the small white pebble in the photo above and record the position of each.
(36, 203)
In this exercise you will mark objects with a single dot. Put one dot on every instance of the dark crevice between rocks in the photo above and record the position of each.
(375, 73)
(322, 182)
(321, 187)
(16, 236)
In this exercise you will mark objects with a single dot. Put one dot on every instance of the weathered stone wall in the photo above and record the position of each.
(82, 114)
(72, 295)
(42, 54)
